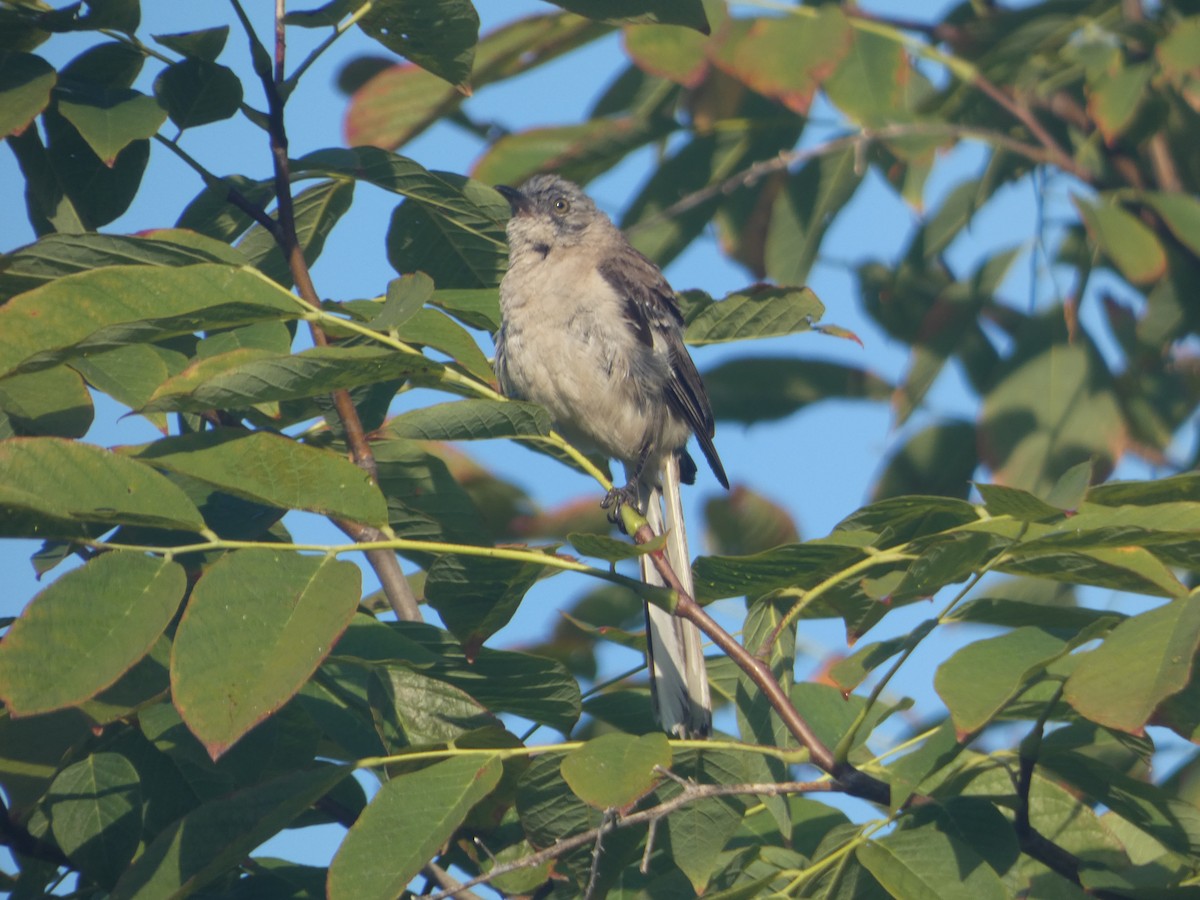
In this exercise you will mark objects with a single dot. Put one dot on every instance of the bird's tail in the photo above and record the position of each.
(678, 677)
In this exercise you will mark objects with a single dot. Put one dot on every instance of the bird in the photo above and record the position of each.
(591, 330)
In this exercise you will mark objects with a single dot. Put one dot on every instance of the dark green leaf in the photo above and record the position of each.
(470, 420)
(689, 13)
(215, 838)
(98, 191)
(315, 211)
(413, 710)
(197, 91)
(56, 255)
(763, 388)
(95, 809)
(204, 44)
(439, 37)
(25, 85)
(476, 596)
(928, 864)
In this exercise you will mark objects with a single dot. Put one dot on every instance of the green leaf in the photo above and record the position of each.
(689, 13)
(803, 212)
(115, 64)
(700, 831)
(614, 770)
(95, 809)
(433, 328)
(1125, 239)
(757, 313)
(785, 58)
(667, 52)
(1181, 213)
(406, 823)
(271, 469)
(111, 119)
(849, 672)
(530, 686)
(937, 460)
(612, 550)
(928, 864)
(475, 308)
(315, 211)
(56, 255)
(197, 91)
(439, 36)
(62, 484)
(869, 82)
(247, 377)
(398, 103)
(257, 626)
(82, 633)
(1021, 505)
(977, 681)
(131, 374)
(411, 709)
(1144, 805)
(1115, 100)
(25, 85)
(457, 249)
(205, 44)
(471, 420)
(98, 190)
(476, 596)
(763, 388)
(51, 403)
(1055, 409)
(119, 305)
(215, 838)
(1142, 662)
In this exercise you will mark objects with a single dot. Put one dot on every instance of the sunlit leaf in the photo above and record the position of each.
(408, 820)
(258, 624)
(84, 631)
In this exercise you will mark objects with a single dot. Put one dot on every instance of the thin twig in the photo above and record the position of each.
(386, 565)
(690, 794)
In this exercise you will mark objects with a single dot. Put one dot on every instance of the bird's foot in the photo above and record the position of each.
(616, 498)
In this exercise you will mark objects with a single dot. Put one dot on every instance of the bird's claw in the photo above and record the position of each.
(616, 498)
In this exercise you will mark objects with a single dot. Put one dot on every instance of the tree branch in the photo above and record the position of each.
(18, 839)
(385, 564)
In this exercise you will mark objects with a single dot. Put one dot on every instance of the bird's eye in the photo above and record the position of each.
(561, 205)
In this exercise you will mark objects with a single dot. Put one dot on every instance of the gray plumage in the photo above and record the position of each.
(591, 330)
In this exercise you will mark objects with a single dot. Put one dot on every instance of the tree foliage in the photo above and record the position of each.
(199, 682)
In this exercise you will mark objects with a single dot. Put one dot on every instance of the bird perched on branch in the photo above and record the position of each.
(591, 330)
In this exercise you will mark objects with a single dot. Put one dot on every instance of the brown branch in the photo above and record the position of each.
(616, 820)
(385, 563)
(848, 778)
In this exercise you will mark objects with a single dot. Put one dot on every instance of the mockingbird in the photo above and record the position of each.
(591, 330)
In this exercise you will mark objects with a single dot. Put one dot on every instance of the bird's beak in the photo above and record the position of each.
(517, 201)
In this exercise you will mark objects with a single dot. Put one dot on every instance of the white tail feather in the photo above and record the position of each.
(678, 677)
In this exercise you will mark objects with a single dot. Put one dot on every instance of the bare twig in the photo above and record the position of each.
(607, 823)
(18, 839)
(449, 883)
(690, 794)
